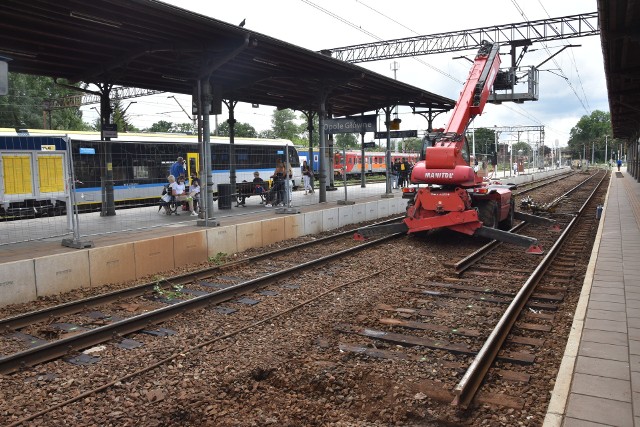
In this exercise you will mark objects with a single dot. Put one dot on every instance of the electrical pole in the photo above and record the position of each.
(395, 67)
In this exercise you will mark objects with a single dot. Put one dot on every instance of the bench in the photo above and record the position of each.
(248, 189)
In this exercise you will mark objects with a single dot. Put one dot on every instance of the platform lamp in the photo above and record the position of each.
(99, 117)
(124, 119)
(193, 119)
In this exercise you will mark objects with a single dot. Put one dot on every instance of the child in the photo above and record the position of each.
(194, 196)
(258, 182)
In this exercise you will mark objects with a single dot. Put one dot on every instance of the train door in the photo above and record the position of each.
(32, 174)
(17, 174)
(193, 164)
(369, 163)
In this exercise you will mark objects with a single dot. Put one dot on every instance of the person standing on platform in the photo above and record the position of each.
(177, 168)
(194, 195)
(404, 172)
(619, 164)
(307, 177)
(278, 190)
(395, 173)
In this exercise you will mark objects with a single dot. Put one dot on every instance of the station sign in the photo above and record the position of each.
(397, 134)
(359, 124)
(110, 130)
(368, 145)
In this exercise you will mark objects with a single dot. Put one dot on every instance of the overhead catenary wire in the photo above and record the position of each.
(545, 46)
(370, 34)
(585, 107)
(524, 114)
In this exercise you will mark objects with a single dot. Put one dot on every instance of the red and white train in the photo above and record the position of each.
(374, 161)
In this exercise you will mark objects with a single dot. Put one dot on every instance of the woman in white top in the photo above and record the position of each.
(177, 191)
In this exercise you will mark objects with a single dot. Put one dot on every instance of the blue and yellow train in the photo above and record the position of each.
(35, 170)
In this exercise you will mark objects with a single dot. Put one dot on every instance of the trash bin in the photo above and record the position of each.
(224, 196)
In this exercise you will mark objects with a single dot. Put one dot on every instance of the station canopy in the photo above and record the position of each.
(152, 45)
(619, 23)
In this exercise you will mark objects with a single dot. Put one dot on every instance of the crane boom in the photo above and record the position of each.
(446, 162)
(455, 196)
(476, 90)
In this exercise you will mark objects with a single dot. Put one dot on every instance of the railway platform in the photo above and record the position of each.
(599, 380)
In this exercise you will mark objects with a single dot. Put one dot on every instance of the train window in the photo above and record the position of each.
(243, 159)
(294, 160)
(219, 157)
(140, 172)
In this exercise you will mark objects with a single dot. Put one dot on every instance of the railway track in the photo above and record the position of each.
(412, 325)
(66, 329)
(515, 300)
(544, 284)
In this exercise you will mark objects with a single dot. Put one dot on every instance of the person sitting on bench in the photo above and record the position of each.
(257, 188)
(176, 190)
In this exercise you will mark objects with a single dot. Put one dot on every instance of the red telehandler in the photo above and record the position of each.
(455, 197)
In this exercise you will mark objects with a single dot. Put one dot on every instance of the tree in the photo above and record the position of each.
(241, 130)
(521, 146)
(412, 145)
(590, 131)
(161, 126)
(485, 141)
(347, 141)
(183, 128)
(283, 125)
(25, 105)
(304, 131)
(267, 134)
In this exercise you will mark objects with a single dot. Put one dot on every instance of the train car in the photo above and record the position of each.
(34, 172)
(374, 162)
(140, 164)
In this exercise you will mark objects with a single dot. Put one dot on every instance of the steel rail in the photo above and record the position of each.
(543, 183)
(467, 262)
(56, 349)
(466, 389)
(471, 259)
(181, 352)
(16, 322)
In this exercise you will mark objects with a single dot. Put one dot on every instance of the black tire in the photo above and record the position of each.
(507, 223)
(488, 213)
